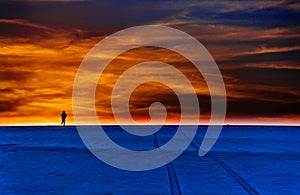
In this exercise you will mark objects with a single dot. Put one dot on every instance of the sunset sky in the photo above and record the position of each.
(256, 45)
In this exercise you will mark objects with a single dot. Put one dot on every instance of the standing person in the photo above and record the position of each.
(63, 118)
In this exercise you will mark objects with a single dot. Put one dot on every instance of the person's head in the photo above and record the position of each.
(64, 111)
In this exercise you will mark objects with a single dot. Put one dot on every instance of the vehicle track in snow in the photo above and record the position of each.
(247, 187)
(173, 180)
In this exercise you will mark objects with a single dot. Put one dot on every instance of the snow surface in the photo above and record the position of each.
(245, 159)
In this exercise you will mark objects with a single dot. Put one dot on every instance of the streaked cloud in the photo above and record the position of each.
(25, 23)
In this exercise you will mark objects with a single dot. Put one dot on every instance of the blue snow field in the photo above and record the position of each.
(245, 160)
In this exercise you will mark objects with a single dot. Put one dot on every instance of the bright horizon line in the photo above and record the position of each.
(114, 124)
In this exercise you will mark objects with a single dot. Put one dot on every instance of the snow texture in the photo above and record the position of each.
(245, 160)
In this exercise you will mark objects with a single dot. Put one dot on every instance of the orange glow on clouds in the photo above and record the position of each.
(38, 70)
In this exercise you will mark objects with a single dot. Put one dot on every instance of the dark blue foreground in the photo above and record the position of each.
(245, 159)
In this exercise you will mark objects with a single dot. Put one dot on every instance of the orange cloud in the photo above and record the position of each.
(37, 74)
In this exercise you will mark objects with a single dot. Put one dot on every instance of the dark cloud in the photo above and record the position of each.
(168, 98)
(8, 101)
(265, 92)
(260, 108)
(112, 15)
(9, 106)
(21, 29)
(266, 17)
(270, 77)
(6, 90)
(34, 100)
(259, 103)
(266, 42)
(15, 75)
(91, 15)
(284, 56)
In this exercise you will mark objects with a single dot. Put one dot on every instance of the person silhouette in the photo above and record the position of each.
(63, 118)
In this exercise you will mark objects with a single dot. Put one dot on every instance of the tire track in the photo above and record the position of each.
(173, 180)
(236, 176)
